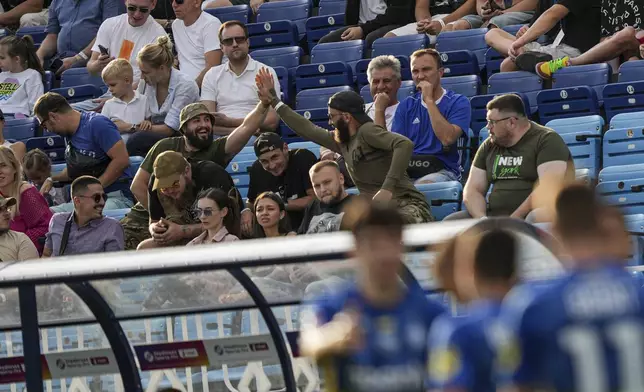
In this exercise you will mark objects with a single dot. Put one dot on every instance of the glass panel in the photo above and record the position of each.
(59, 303)
(9, 308)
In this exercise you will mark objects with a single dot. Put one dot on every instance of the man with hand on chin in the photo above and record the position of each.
(376, 159)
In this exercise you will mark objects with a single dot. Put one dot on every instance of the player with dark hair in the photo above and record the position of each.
(371, 336)
(462, 356)
(585, 332)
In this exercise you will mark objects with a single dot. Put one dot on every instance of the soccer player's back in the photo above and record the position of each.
(585, 333)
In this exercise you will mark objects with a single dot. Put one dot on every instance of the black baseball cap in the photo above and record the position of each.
(352, 103)
(266, 142)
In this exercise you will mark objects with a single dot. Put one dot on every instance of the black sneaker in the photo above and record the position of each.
(528, 61)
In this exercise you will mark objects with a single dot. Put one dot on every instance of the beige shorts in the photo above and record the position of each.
(410, 29)
(557, 52)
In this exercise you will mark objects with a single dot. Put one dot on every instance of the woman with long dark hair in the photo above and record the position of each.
(271, 219)
(219, 215)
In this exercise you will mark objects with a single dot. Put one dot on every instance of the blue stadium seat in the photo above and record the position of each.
(332, 7)
(479, 109)
(523, 82)
(311, 146)
(319, 26)
(20, 129)
(365, 93)
(37, 33)
(240, 167)
(318, 116)
(623, 187)
(593, 75)
(79, 76)
(623, 146)
(582, 135)
(49, 80)
(567, 102)
(624, 97)
(116, 214)
(403, 45)
(472, 40)
(493, 60)
(241, 157)
(513, 29)
(635, 226)
(626, 120)
(407, 89)
(284, 78)
(317, 98)
(443, 197)
(349, 52)
(287, 57)
(296, 11)
(248, 150)
(53, 146)
(241, 13)
(331, 74)
(459, 62)
(79, 93)
(273, 34)
(483, 134)
(467, 85)
(135, 163)
(631, 71)
(361, 67)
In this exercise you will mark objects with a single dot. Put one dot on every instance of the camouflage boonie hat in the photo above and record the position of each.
(193, 110)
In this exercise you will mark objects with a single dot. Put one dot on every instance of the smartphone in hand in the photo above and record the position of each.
(104, 50)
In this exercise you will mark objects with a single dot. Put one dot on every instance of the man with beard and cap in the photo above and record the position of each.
(14, 246)
(283, 171)
(173, 190)
(196, 144)
(376, 159)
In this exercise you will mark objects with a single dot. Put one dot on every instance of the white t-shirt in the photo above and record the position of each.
(194, 41)
(236, 96)
(369, 9)
(124, 41)
(370, 109)
(19, 91)
(132, 112)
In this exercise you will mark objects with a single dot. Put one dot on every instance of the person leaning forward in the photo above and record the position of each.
(376, 159)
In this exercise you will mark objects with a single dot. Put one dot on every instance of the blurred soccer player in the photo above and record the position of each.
(584, 333)
(372, 335)
(462, 356)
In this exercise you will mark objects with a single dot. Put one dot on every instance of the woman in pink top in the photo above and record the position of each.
(31, 214)
(219, 215)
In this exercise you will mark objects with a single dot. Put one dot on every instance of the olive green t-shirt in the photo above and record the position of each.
(512, 171)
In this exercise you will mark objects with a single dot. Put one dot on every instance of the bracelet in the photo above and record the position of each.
(82, 55)
(442, 22)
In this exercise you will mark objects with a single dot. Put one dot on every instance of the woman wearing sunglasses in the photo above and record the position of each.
(219, 215)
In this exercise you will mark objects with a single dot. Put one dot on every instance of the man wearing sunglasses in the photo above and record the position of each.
(14, 246)
(84, 230)
(123, 37)
(228, 90)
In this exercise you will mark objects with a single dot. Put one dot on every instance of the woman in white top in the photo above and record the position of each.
(167, 91)
(21, 79)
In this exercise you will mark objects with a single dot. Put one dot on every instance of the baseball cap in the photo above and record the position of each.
(266, 142)
(193, 110)
(168, 167)
(350, 102)
(7, 201)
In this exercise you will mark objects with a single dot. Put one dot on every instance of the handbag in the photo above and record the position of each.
(79, 164)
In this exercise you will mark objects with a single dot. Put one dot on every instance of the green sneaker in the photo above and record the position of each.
(547, 68)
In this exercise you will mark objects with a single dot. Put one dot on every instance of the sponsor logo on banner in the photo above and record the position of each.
(171, 355)
(240, 349)
(13, 370)
(81, 363)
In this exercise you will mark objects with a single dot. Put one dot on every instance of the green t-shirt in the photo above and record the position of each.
(512, 171)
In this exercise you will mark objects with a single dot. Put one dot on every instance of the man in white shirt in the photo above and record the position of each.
(228, 90)
(122, 36)
(384, 77)
(196, 38)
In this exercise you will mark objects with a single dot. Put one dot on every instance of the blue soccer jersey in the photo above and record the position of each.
(461, 353)
(394, 354)
(584, 333)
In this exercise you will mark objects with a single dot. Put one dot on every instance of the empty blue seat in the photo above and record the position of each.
(523, 82)
(626, 120)
(483, 134)
(296, 11)
(79, 93)
(582, 135)
(567, 102)
(467, 85)
(319, 117)
(623, 146)
(53, 146)
(20, 129)
(244, 157)
(403, 45)
(317, 98)
(331, 7)
(623, 187)
(635, 225)
(287, 57)
(631, 71)
(239, 167)
(407, 89)
(49, 80)
(284, 78)
(37, 33)
(79, 76)
(319, 26)
(493, 60)
(365, 93)
(624, 97)
(241, 13)
(592, 75)
(479, 109)
(349, 52)
(331, 74)
(472, 40)
(459, 62)
(444, 197)
(624, 172)
(311, 146)
(274, 34)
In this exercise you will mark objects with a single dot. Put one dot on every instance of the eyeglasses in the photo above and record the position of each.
(143, 10)
(42, 122)
(197, 212)
(229, 41)
(491, 123)
(97, 197)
